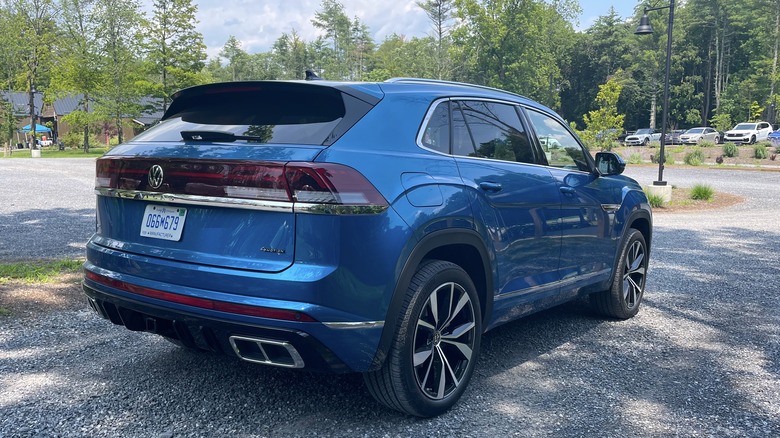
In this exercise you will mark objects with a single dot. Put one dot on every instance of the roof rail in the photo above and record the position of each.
(443, 82)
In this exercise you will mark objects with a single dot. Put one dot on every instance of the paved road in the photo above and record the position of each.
(701, 359)
(47, 207)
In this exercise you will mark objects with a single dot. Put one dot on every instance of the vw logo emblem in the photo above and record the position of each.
(155, 176)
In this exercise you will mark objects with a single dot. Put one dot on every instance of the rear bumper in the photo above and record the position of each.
(346, 344)
(297, 349)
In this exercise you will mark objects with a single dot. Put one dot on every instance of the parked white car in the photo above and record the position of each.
(642, 137)
(700, 134)
(749, 132)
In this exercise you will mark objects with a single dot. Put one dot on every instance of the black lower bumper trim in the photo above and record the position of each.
(199, 332)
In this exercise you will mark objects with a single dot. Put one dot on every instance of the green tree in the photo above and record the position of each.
(291, 56)
(333, 20)
(514, 45)
(37, 25)
(440, 14)
(77, 70)
(605, 120)
(175, 52)
(236, 58)
(118, 38)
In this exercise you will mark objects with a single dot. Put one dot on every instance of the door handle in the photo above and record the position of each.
(490, 187)
(568, 190)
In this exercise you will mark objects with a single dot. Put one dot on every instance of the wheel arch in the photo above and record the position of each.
(641, 220)
(462, 247)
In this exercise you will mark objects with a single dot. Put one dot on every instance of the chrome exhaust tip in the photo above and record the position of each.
(266, 351)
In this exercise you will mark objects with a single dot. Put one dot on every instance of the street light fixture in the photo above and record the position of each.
(644, 28)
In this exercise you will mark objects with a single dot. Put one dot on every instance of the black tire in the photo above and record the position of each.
(717, 140)
(627, 288)
(753, 140)
(646, 142)
(436, 344)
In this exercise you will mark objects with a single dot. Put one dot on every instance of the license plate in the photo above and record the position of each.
(161, 222)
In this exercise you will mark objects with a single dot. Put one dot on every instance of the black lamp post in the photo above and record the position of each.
(644, 28)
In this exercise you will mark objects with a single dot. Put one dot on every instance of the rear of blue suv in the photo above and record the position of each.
(378, 228)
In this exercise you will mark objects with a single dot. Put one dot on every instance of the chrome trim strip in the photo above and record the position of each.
(247, 204)
(354, 325)
(553, 285)
(610, 208)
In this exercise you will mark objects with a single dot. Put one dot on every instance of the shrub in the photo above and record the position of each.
(730, 150)
(655, 200)
(707, 144)
(635, 158)
(694, 157)
(657, 157)
(759, 151)
(702, 192)
(654, 144)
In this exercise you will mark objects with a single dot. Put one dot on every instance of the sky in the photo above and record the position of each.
(258, 23)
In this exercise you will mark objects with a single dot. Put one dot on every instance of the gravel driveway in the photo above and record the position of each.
(702, 358)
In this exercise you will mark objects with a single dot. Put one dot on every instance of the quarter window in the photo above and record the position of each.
(437, 133)
(559, 145)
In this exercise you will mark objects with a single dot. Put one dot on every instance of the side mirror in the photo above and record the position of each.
(610, 163)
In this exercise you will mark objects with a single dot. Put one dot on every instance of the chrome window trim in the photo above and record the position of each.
(246, 204)
(354, 325)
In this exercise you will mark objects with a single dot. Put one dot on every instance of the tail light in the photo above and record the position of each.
(302, 182)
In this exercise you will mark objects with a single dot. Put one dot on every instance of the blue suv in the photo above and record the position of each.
(379, 228)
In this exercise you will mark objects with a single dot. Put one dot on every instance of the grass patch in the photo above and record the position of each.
(56, 153)
(702, 192)
(37, 271)
(635, 158)
(655, 200)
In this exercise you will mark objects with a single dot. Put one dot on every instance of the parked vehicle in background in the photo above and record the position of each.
(642, 137)
(774, 138)
(378, 228)
(622, 137)
(749, 133)
(700, 134)
(673, 137)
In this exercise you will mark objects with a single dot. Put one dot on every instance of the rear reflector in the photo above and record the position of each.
(303, 182)
(203, 303)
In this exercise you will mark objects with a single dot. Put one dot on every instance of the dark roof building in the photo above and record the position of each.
(21, 102)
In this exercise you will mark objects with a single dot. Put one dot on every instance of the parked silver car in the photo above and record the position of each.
(700, 134)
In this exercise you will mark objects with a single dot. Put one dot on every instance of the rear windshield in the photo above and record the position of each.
(271, 113)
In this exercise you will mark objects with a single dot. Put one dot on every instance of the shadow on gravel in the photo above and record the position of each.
(701, 358)
(45, 234)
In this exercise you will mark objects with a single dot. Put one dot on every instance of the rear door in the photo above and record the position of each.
(516, 199)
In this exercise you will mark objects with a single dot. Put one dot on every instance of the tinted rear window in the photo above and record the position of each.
(271, 113)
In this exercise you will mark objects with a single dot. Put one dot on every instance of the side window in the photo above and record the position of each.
(496, 131)
(436, 135)
(559, 145)
(461, 136)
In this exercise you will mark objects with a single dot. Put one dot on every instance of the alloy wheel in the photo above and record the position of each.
(444, 340)
(634, 275)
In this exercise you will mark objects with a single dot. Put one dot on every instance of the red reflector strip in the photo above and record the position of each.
(203, 303)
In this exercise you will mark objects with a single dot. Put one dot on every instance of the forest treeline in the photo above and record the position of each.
(723, 71)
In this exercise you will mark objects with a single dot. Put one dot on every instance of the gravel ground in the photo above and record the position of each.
(702, 358)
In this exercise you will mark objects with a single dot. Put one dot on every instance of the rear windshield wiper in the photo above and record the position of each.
(221, 136)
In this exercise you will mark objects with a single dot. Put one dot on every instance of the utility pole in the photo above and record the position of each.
(32, 115)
